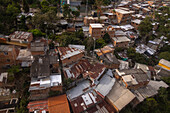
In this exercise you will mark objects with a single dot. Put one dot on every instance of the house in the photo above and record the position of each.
(38, 106)
(123, 65)
(119, 97)
(146, 11)
(55, 104)
(40, 87)
(156, 44)
(88, 101)
(110, 30)
(164, 64)
(105, 84)
(143, 49)
(78, 69)
(138, 16)
(106, 56)
(58, 104)
(127, 27)
(148, 91)
(40, 67)
(135, 23)
(119, 33)
(132, 78)
(95, 30)
(149, 70)
(21, 37)
(25, 58)
(123, 16)
(91, 20)
(39, 47)
(69, 55)
(121, 41)
(83, 69)
(8, 56)
(80, 88)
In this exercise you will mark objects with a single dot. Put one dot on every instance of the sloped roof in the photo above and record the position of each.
(58, 104)
(120, 96)
(106, 83)
(66, 52)
(150, 90)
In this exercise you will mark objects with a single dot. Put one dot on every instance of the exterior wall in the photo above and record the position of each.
(134, 87)
(135, 25)
(72, 59)
(112, 66)
(57, 88)
(115, 108)
(121, 44)
(9, 58)
(37, 53)
(123, 18)
(88, 21)
(95, 32)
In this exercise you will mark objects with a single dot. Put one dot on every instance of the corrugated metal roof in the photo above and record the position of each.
(106, 83)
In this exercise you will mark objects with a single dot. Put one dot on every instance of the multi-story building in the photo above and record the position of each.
(8, 55)
(123, 16)
(135, 23)
(95, 30)
(69, 55)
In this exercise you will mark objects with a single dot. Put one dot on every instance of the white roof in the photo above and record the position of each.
(123, 65)
(121, 39)
(97, 25)
(136, 21)
(127, 27)
(81, 47)
(129, 78)
(123, 11)
(106, 83)
(78, 90)
(165, 62)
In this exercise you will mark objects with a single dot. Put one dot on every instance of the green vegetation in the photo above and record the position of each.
(107, 38)
(36, 33)
(164, 23)
(136, 57)
(158, 104)
(145, 28)
(25, 6)
(100, 43)
(71, 38)
(165, 55)
(8, 17)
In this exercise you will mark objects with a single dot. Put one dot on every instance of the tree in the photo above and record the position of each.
(106, 37)
(165, 55)
(100, 43)
(13, 70)
(75, 14)
(25, 6)
(37, 33)
(66, 11)
(145, 28)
